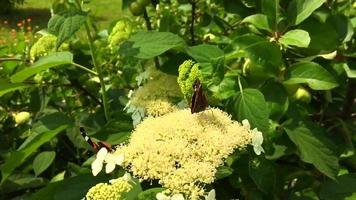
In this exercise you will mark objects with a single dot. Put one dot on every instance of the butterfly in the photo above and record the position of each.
(96, 146)
(199, 101)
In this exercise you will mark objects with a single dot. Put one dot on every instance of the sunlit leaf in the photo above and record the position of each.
(44, 63)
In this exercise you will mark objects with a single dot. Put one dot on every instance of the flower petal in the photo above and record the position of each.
(96, 166)
(211, 195)
(119, 159)
(246, 124)
(177, 197)
(109, 167)
(162, 196)
(101, 154)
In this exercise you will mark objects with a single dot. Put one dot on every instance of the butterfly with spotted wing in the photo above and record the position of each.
(96, 146)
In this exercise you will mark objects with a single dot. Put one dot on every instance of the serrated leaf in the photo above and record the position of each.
(296, 37)
(251, 105)
(263, 173)
(312, 74)
(299, 10)
(258, 20)
(65, 26)
(43, 161)
(271, 9)
(6, 87)
(146, 45)
(344, 187)
(313, 146)
(44, 63)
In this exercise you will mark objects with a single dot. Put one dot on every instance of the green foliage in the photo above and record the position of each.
(288, 66)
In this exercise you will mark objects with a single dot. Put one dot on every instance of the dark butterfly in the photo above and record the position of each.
(199, 101)
(96, 146)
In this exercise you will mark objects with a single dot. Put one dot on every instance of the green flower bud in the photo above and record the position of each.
(45, 44)
(121, 32)
(188, 73)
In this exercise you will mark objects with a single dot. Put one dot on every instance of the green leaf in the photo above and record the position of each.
(342, 26)
(259, 21)
(70, 189)
(271, 9)
(323, 36)
(312, 74)
(351, 73)
(22, 181)
(205, 53)
(223, 172)
(149, 194)
(344, 187)
(313, 146)
(299, 10)
(227, 87)
(43, 161)
(6, 87)
(259, 50)
(251, 105)
(65, 26)
(296, 37)
(263, 173)
(146, 45)
(16, 158)
(277, 104)
(44, 63)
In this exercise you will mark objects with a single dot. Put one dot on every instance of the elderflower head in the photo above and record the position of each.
(159, 108)
(117, 189)
(183, 150)
(160, 86)
(111, 160)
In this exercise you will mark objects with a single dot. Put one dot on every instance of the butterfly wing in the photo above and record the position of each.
(199, 102)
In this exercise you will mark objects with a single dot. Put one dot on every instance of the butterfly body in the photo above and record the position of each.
(96, 146)
(199, 102)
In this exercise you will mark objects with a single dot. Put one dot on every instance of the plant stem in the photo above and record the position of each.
(149, 28)
(240, 85)
(85, 69)
(10, 59)
(147, 20)
(193, 2)
(97, 67)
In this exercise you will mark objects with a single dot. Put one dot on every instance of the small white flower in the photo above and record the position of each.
(211, 195)
(257, 141)
(246, 124)
(97, 165)
(162, 196)
(177, 197)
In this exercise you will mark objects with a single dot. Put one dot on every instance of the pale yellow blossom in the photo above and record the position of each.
(116, 190)
(184, 150)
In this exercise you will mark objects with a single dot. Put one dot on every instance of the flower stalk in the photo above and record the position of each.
(97, 67)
